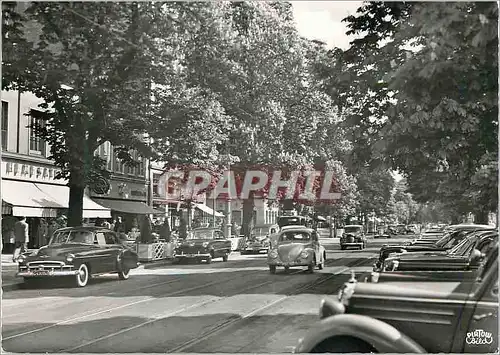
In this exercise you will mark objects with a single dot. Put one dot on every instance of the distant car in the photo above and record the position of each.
(79, 252)
(353, 236)
(465, 255)
(410, 316)
(447, 242)
(260, 239)
(204, 244)
(297, 247)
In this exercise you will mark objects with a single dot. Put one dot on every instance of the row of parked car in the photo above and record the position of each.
(437, 293)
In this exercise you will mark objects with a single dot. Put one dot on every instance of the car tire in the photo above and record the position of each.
(209, 259)
(83, 276)
(124, 273)
(287, 269)
(342, 247)
(225, 256)
(272, 269)
(310, 267)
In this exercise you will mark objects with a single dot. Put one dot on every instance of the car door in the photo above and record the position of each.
(315, 245)
(482, 333)
(106, 255)
(218, 243)
(127, 257)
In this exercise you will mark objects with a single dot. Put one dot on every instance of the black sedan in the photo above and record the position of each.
(445, 243)
(80, 253)
(465, 255)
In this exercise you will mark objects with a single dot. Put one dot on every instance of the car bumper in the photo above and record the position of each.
(256, 249)
(290, 263)
(47, 273)
(201, 255)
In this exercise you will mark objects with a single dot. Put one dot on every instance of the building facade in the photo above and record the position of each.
(29, 185)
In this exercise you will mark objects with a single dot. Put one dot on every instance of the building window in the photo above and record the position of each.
(118, 165)
(37, 144)
(156, 180)
(5, 123)
(142, 166)
(104, 152)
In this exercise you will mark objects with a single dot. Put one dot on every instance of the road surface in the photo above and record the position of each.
(237, 306)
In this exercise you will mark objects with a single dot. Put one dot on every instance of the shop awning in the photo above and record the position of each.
(26, 199)
(204, 208)
(60, 193)
(133, 207)
(42, 200)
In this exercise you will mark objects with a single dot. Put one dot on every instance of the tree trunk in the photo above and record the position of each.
(288, 205)
(481, 217)
(75, 210)
(248, 205)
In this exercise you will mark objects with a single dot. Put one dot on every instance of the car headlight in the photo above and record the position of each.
(304, 254)
(21, 259)
(205, 244)
(70, 258)
(273, 254)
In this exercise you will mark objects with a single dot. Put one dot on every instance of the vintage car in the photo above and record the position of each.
(353, 236)
(79, 252)
(203, 244)
(465, 255)
(297, 246)
(293, 221)
(410, 317)
(448, 241)
(259, 240)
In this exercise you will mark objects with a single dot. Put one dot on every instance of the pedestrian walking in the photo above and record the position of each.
(106, 224)
(41, 233)
(119, 226)
(53, 226)
(22, 238)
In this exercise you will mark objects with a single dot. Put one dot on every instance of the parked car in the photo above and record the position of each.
(410, 317)
(353, 236)
(79, 252)
(447, 242)
(204, 244)
(260, 238)
(292, 221)
(465, 255)
(297, 246)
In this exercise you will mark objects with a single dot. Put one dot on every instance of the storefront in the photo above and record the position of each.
(30, 190)
(127, 201)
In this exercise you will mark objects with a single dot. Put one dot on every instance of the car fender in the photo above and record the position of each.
(380, 335)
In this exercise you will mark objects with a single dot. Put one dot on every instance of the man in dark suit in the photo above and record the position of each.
(21, 237)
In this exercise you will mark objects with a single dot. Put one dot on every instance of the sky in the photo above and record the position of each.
(321, 20)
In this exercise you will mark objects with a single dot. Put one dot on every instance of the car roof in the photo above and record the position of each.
(89, 228)
(264, 225)
(293, 226)
(296, 228)
(472, 226)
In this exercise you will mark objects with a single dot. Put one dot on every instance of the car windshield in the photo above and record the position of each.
(295, 237)
(260, 231)
(63, 237)
(289, 221)
(59, 237)
(201, 234)
(464, 247)
(352, 229)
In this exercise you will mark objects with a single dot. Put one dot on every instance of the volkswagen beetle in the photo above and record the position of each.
(79, 252)
(296, 246)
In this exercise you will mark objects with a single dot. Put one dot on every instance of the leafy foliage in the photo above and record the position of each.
(418, 91)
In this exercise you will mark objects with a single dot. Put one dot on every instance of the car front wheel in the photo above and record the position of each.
(225, 256)
(272, 269)
(82, 278)
(124, 273)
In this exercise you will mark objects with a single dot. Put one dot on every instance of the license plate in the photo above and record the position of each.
(40, 272)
